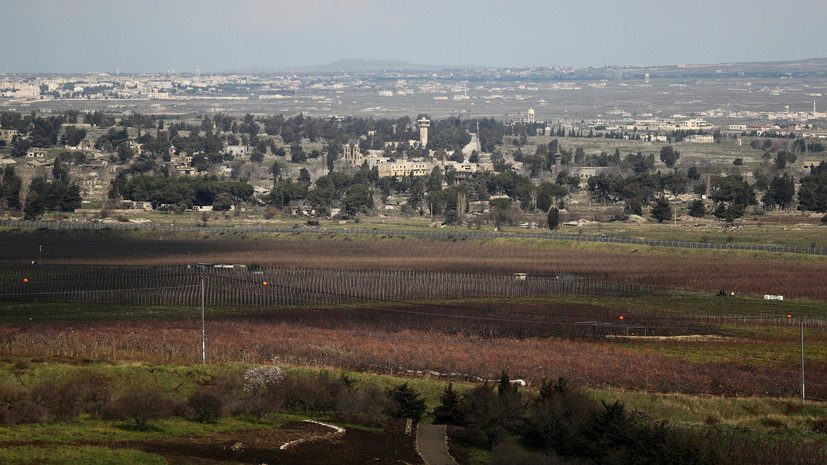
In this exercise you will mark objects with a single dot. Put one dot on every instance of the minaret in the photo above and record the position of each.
(423, 123)
(558, 161)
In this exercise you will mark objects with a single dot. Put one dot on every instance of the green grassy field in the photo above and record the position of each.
(181, 380)
(75, 455)
(793, 229)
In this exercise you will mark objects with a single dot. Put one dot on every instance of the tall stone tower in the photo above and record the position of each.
(423, 123)
(530, 116)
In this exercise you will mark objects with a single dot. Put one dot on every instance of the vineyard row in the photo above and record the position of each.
(172, 285)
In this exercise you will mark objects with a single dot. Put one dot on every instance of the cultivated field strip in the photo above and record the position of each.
(442, 234)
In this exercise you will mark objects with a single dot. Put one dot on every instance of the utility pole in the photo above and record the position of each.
(203, 273)
(676, 215)
(203, 341)
(801, 333)
(801, 321)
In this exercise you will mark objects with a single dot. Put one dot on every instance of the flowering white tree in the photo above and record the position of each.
(262, 383)
(262, 378)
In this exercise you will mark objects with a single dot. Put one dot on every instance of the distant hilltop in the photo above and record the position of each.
(351, 66)
(810, 66)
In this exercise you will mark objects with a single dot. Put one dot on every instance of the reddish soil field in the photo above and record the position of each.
(412, 352)
(685, 272)
(415, 337)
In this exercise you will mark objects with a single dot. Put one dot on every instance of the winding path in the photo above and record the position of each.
(430, 442)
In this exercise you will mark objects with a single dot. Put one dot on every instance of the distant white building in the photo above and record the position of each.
(695, 124)
(404, 168)
(27, 92)
(238, 150)
(702, 139)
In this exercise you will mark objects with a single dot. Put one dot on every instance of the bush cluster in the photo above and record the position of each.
(257, 392)
(50, 400)
(563, 425)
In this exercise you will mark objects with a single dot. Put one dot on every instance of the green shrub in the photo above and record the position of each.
(25, 412)
(205, 406)
(369, 404)
(142, 403)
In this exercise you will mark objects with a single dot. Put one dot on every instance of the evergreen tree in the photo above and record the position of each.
(276, 170)
(223, 202)
(813, 192)
(408, 403)
(661, 211)
(36, 198)
(10, 189)
(297, 154)
(780, 192)
(71, 199)
(697, 209)
(553, 218)
(449, 411)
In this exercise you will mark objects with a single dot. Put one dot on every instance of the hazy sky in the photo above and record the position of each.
(217, 35)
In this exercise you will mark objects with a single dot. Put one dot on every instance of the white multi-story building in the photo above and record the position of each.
(703, 139)
(694, 124)
(404, 168)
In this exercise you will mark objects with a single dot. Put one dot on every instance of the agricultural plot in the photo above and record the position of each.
(745, 273)
(609, 317)
(413, 307)
(279, 286)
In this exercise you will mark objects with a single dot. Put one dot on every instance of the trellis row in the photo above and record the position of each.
(239, 287)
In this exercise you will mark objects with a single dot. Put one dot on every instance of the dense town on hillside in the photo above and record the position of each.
(487, 145)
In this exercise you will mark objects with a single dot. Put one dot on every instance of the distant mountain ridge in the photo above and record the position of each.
(351, 65)
(810, 66)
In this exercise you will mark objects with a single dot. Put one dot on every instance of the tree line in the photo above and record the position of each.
(181, 192)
